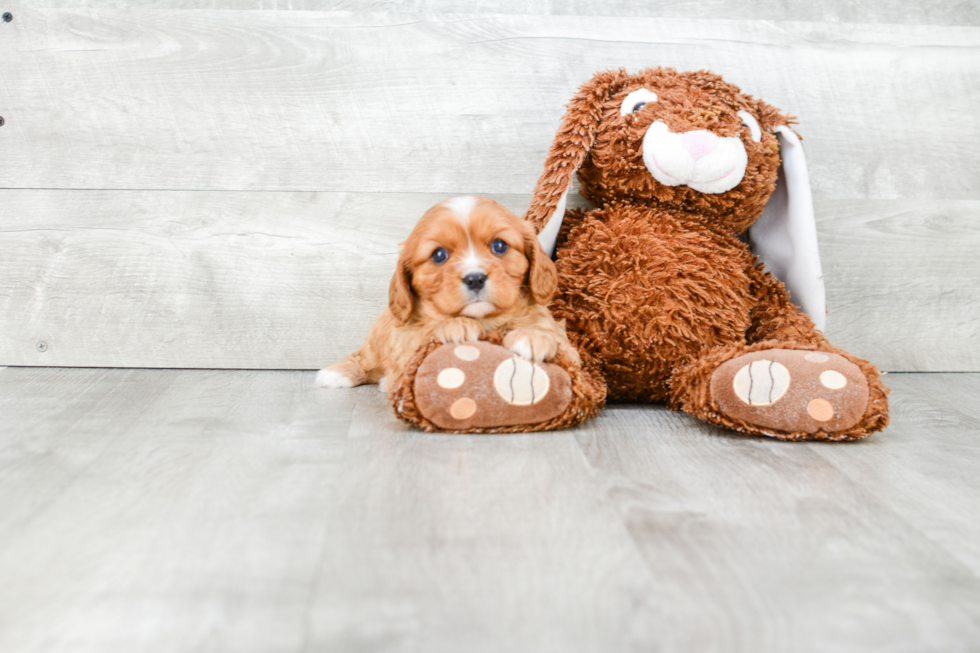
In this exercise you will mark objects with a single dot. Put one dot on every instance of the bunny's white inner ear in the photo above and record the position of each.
(785, 235)
(549, 235)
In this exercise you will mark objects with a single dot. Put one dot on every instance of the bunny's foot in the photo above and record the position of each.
(795, 394)
(791, 391)
(479, 387)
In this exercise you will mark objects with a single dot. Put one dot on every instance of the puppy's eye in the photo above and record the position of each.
(636, 101)
(440, 255)
(499, 247)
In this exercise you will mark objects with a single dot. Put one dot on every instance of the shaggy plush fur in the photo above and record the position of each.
(655, 286)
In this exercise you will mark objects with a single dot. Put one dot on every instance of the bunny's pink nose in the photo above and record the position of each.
(699, 143)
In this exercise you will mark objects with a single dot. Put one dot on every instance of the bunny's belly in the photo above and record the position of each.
(643, 291)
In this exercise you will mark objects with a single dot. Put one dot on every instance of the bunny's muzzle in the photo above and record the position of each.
(698, 158)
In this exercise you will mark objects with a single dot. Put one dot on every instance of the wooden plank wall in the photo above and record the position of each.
(224, 184)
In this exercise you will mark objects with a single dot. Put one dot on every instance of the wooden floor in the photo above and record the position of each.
(192, 510)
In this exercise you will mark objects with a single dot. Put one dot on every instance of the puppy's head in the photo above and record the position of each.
(470, 256)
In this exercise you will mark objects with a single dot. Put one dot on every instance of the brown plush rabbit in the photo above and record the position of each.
(658, 287)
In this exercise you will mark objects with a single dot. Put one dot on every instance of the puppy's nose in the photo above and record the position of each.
(475, 281)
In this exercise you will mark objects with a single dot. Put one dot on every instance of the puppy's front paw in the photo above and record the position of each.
(331, 378)
(458, 330)
(532, 344)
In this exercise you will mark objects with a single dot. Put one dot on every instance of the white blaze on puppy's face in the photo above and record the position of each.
(467, 276)
(471, 263)
(462, 207)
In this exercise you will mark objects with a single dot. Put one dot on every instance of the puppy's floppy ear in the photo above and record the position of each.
(574, 139)
(542, 276)
(401, 297)
(785, 235)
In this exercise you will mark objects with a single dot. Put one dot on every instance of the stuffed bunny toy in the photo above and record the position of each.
(686, 284)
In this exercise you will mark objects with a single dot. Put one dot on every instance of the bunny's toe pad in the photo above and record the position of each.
(792, 391)
(480, 385)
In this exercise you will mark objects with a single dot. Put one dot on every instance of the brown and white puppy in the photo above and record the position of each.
(468, 268)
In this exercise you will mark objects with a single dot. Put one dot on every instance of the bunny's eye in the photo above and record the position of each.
(749, 121)
(440, 255)
(636, 100)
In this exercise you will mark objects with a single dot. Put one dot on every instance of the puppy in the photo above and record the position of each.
(469, 267)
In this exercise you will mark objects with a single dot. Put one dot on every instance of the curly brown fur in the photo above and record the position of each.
(644, 295)
(655, 286)
(572, 144)
(606, 147)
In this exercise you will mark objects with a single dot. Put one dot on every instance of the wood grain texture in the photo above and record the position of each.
(928, 12)
(132, 497)
(328, 132)
(194, 279)
(901, 279)
(155, 98)
(933, 488)
(162, 510)
(294, 280)
(810, 548)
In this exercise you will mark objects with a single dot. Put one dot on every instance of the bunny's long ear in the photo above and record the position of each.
(785, 235)
(572, 144)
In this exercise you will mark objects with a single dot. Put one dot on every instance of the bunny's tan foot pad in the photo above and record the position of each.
(791, 391)
(480, 385)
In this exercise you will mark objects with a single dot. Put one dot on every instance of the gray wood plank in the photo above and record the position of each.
(808, 548)
(929, 12)
(131, 498)
(472, 543)
(194, 279)
(294, 280)
(161, 510)
(923, 468)
(901, 281)
(152, 98)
